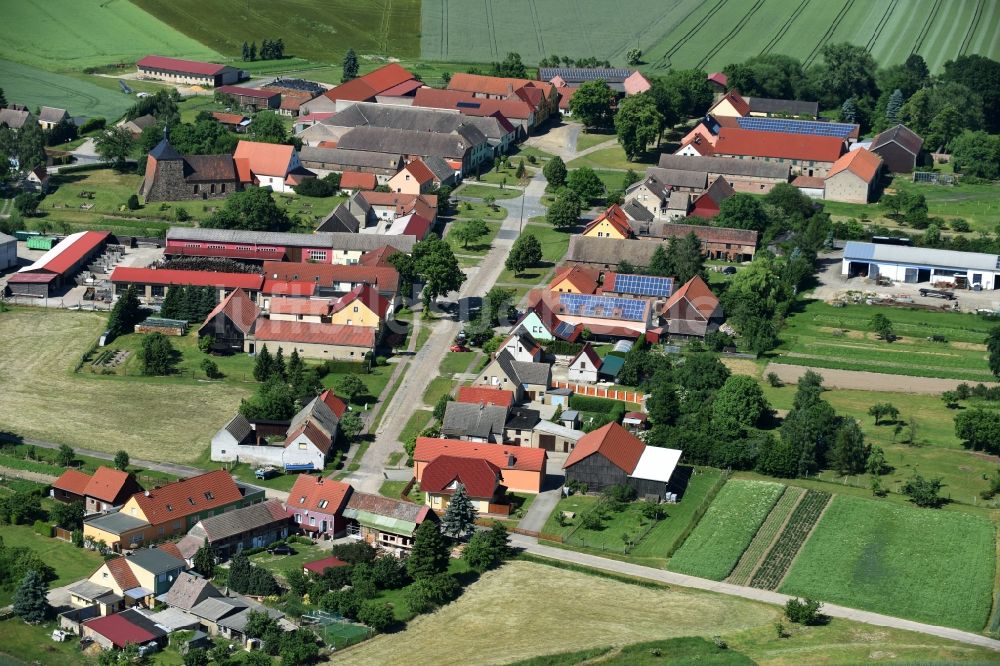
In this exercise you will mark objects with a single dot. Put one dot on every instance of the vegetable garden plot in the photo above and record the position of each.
(766, 536)
(773, 569)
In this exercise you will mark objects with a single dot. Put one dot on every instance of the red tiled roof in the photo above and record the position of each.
(364, 293)
(242, 311)
(355, 180)
(636, 83)
(565, 95)
(402, 89)
(336, 405)
(364, 88)
(171, 549)
(419, 171)
(500, 455)
(613, 442)
(618, 219)
(288, 287)
(861, 162)
(418, 226)
(290, 103)
(63, 258)
(385, 277)
(170, 276)
(487, 396)
(106, 484)
(121, 571)
(311, 491)
(480, 477)
(494, 85)
(751, 143)
(258, 93)
(811, 181)
(698, 294)
(591, 355)
(178, 65)
(319, 439)
(187, 496)
(379, 258)
(72, 481)
(719, 77)
(387, 76)
(31, 278)
(318, 334)
(117, 629)
(319, 566)
(300, 306)
(741, 105)
(584, 279)
(472, 106)
(424, 204)
(227, 118)
(267, 159)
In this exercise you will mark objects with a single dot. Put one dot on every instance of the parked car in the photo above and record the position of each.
(458, 348)
(265, 473)
(281, 550)
(729, 270)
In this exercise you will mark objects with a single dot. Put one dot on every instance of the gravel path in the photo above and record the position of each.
(37, 477)
(866, 381)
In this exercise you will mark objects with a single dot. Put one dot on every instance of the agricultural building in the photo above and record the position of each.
(230, 322)
(8, 251)
(306, 280)
(541, 95)
(253, 99)
(920, 264)
(171, 176)
(709, 203)
(389, 81)
(311, 340)
(381, 165)
(854, 178)
(516, 112)
(693, 310)
(611, 456)
(254, 526)
(118, 630)
(899, 147)
(716, 242)
(186, 72)
(465, 147)
(752, 176)
(622, 81)
(805, 154)
(56, 268)
(153, 283)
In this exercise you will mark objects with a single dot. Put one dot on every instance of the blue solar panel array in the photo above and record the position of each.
(643, 285)
(563, 330)
(607, 307)
(814, 127)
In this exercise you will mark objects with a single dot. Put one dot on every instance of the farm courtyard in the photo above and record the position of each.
(148, 417)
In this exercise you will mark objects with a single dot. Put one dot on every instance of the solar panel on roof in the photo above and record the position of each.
(468, 105)
(563, 330)
(607, 307)
(644, 285)
(813, 127)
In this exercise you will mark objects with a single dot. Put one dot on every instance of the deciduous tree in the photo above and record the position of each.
(592, 104)
(564, 212)
(114, 146)
(525, 252)
(638, 123)
(555, 172)
(586, 184)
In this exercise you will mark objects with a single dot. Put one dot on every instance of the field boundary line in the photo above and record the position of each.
(665, 59)
(784, 28)
(802, 546)
(925, 30)
(781, 528)
(973, 26)
(829, 32)
(737, 29)
(877, 34)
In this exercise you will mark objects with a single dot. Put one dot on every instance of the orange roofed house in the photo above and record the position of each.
(317, 504)
(612, 223)
(521, 470)
(854, 178)
(611, 456)
(806, 154)
(269, 165)
(541, 95)
(154, 515)
(693, 310)
(106, 489)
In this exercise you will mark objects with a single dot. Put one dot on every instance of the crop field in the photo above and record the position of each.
(727, 528)
(532, 618)
(148, 417)
(35, 87)
(89, 33)
(683, 33)
(921, 564)
(803, 519)
(824, 336)
(766, 536)
(312, 29)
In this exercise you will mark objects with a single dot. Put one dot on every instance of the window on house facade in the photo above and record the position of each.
(302, 446)
(323, 504)
(317, 255)
(312, 520)
(298, 518)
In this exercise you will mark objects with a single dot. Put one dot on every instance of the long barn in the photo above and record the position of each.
(920, 264)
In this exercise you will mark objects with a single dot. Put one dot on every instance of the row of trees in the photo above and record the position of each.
(189, 303)
(269, 50)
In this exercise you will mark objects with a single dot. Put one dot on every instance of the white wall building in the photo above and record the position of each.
(920, 264)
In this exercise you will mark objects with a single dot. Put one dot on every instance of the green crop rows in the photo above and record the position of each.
(727, 528)
(765, 536)
(792, 537)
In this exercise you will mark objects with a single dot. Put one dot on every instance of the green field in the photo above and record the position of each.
(70, 563)
(825, 336)
(708, 35)
(321, 31)
(726, 529)
(35, 87)
(920, 564)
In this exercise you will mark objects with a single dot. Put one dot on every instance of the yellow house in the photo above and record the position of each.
(361, 307)
(414, 178)
(730, 105)
(612, 223)
(157, 514)
(141, 576)
(575, 280)
(480, 478)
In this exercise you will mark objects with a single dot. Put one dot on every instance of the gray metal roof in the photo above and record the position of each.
(678, 177)
(901, 134)
(352, 158)
(791, 107)
(339, 219)
(420, 119)
(215, 608)
(337, 241)
(117, 522)
(174, 619)
(439, 167)
(921, 256)
(155, 560)
(89, 590)
(239, 521)
(636, 211)
(725, 166)
(320, 414)
(239, 427)
(532, 373)
(550, 428)
(410, 142)
(4, 239)
(473, 420)
(522, 419)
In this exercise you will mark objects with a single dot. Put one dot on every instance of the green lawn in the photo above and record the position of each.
(417, 422)
(32, 644)
(920, 564)
(376, 380)
(554, 244)
(824, 336)
(394, 489)
(281, 565)
(726, 529)
(470, 210)
(438, 387)
(471, 189)
(479, 247)
(590, 138)
(245, 472)
(614, 158)
(70, 563)
(938, 453)
(456, 362)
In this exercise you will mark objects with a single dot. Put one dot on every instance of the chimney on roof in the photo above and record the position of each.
(511, 459)
(146, 493)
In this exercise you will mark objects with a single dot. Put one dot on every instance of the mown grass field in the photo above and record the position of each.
(170, 419)
(683, 33)
(726, 529)
(70, 563)
(73, 34)
(528, 604)
(321, 31)
(915, 563)
(824, 336)
(36, 87)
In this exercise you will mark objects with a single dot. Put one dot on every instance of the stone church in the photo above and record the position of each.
(171, 176)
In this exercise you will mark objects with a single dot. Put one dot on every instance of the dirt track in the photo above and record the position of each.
(866, 381)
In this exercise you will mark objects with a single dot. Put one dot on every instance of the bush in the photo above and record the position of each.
(774, 380)
(43, 528)
(92, 125)
(378, 616)
(211, 368)
(586, 403)
(803, 611)
(133, 202)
